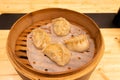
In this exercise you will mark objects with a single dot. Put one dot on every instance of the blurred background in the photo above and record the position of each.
(83, 6)
(101, 11)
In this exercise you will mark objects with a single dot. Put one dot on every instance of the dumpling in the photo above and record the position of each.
(78, 43)
(40, 38)
(61, 26)
(57, 53)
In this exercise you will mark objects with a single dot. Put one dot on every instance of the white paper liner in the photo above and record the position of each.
(40, 62)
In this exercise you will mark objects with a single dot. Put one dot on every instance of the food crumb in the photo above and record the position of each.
(46, 69)
(34, 62)
(69, 67)
(79, 58)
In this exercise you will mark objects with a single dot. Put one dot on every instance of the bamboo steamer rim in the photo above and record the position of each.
(81, 72)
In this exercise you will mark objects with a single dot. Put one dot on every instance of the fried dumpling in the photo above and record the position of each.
(78, 43)
(57, 53)
(40, 38)
(61, 26)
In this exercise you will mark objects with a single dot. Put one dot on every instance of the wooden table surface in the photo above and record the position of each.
(109, 66)
(83, 6)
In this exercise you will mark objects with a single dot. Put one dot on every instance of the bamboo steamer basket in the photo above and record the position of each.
(16, 44)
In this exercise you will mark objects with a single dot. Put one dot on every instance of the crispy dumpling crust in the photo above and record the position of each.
(78, 43)
(40, 38)
(58, 53)
(61, 26)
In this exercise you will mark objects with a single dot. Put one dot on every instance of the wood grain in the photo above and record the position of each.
(108, 68)
(83, 6)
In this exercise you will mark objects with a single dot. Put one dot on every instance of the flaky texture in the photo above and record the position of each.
(61, 26)
(58, 53)
(40, 38)
(78, 43)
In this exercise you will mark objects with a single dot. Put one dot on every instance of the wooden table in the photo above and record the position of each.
(83, 6)
(109, 66)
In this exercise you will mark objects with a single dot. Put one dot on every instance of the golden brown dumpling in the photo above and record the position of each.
(61, 26)
(58, 53)
(40, 38)
(78, 43)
